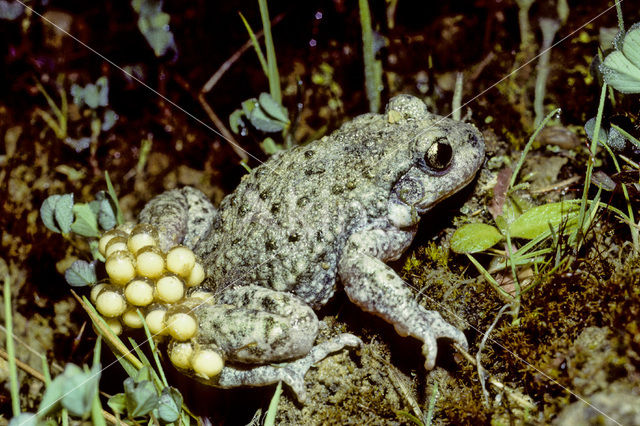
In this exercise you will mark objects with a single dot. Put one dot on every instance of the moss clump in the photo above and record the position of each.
(579, 327)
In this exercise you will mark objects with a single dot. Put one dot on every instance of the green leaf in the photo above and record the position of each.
(64, 212)
(118, 403)
(474, 237)
(620, 73)
(536, 220)
(81, 273)
(248, 106)
(169, 405)
(236, 121)
(74, 390)
(153, 23)
(589, 127)
(93, 95)
(160, 39)
(11, 10)
(81, 389)
(621, 68)
(106, 215)
(95, 253)
(631, 44)
(272, 108)
(143, 374)
(47, 212)
(86, 223)
(264, 123)
(108, 120)
(114, 198)
(615, 140)
(256, 46)
(25, 419)
(77, 92)
(141, 397)
(159, 20)
(270, 147)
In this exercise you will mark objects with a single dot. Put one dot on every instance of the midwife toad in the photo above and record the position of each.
(331, 211)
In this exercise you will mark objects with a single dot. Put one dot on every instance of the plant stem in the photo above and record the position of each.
(372, 68)
(523, 20)
(456, 103)
(256, 46)
(527, 147)
(270, 418)
(592, 155)
(549, 27)
(619, 13)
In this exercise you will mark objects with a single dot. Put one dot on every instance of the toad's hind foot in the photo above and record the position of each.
(291, 373)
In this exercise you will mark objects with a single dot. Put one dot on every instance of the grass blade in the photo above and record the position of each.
(256, 46)
(272, 66)
(11, 350)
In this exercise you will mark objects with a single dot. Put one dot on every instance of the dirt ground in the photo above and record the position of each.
(571, 352)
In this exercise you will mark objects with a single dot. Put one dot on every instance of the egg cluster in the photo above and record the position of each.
(144, 277)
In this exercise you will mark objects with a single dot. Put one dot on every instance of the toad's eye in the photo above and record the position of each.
(438, 156)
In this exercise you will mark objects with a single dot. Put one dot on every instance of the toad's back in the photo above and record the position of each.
(285, 225)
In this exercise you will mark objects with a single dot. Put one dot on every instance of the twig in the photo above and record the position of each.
(515, 395)
(481, 371)
(222, 128)
(213, 80)
(400, 387)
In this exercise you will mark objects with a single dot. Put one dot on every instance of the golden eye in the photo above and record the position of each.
(438, 156)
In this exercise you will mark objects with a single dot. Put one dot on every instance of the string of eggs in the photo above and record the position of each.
(144, 277)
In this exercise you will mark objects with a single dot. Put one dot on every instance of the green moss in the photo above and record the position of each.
(579, 327)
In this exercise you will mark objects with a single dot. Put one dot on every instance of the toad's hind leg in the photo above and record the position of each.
(257, 325)
(252, 325)
(181, 216)
(291, 373)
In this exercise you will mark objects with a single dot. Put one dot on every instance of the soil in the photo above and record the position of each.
(569, 353)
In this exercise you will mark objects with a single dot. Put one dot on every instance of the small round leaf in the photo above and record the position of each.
(169, 405)
(86, 223)
(81, 273)
(273, 108)
(47, 212)
(64, 212)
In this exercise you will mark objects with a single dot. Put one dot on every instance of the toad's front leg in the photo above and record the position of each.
(376, 288)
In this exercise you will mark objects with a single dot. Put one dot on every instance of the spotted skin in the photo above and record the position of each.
(318, 215)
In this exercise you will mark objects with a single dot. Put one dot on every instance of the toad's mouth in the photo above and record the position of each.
(427, 203)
